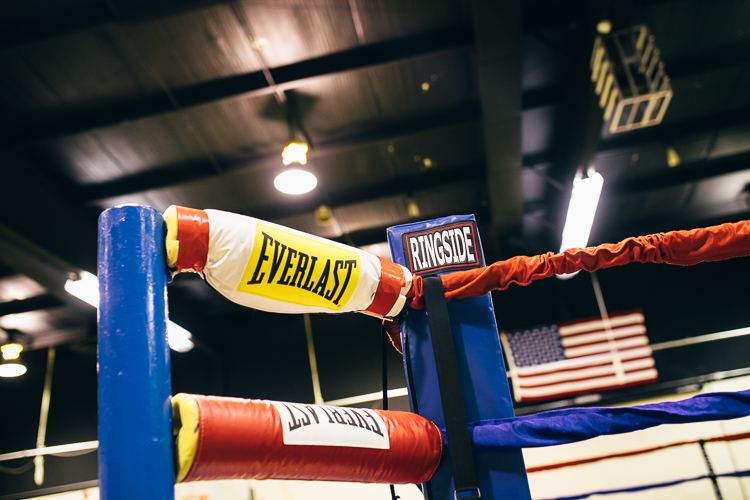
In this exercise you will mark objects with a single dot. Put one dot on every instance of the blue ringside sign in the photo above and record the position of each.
(424, 247)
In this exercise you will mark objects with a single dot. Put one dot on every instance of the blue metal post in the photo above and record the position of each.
(135, 412)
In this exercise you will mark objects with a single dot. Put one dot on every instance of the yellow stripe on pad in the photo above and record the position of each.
(173, 244)
(185, 418)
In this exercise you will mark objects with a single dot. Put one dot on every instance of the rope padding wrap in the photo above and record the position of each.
(390, 294)
(244, 439)
(683, 248)
(187, 239)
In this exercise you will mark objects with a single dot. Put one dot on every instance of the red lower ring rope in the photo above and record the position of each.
(572, 463)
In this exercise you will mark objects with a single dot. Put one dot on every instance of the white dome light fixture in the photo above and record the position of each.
(8, 370)
(11, 365)
(295, 182)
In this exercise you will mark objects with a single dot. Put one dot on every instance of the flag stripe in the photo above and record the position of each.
(599, 324)
(603, 335)
(527, 399)
(586, 373)
(620, 345)
(574, 364)
(601, 383)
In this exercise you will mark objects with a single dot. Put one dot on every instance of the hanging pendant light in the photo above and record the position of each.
(295, 181)
(11, 365)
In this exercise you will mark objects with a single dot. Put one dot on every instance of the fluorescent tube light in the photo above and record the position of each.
(581, 211)
(87, 289)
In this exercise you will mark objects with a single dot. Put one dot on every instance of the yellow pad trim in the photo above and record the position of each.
(185, 418)
(173, 245)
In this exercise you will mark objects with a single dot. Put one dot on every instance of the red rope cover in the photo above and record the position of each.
(192, 233)
(243, 439)
(683, 248)
(392, 279)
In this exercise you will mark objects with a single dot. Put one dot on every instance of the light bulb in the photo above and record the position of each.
(11, 351)
(294, 152)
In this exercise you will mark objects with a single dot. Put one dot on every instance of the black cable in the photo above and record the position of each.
(711, 473)
(17, 470)
(384, 359)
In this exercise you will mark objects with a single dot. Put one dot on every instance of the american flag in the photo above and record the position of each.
(579, 357)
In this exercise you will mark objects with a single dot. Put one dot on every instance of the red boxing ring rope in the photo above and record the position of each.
(684, 248)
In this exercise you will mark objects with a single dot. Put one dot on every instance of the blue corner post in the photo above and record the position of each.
(135, 412)
(500, 475)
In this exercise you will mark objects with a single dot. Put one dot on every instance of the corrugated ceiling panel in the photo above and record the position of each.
(541, 62)
(398, 86)
(707, 94)
(29, 9)
(306, 223)
(337, 103)
(732, 141)
(83, 69)
(722, 196)
(371, 214)
(192, 47)
(656, 204)
(690, 27)
(461, 197)
(294, 30)
(385, 19)
(225, 129)
(240, 126)
(129, 148)
(344, 102)
(536, 129)
(351, 168)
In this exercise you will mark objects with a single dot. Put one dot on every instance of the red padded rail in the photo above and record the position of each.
(242, 439)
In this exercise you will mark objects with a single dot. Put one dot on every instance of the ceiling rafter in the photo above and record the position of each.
(535, 17)
(685, 173)
(44, 301)
(191, 171)
(187, 172)
(255, 83)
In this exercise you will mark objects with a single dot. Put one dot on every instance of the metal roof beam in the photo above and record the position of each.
(93, 15)
(497, 27)
(184, 172)
(536, 16)
(685, 173)
(285, 77)
(167, 176)
(44, 301)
